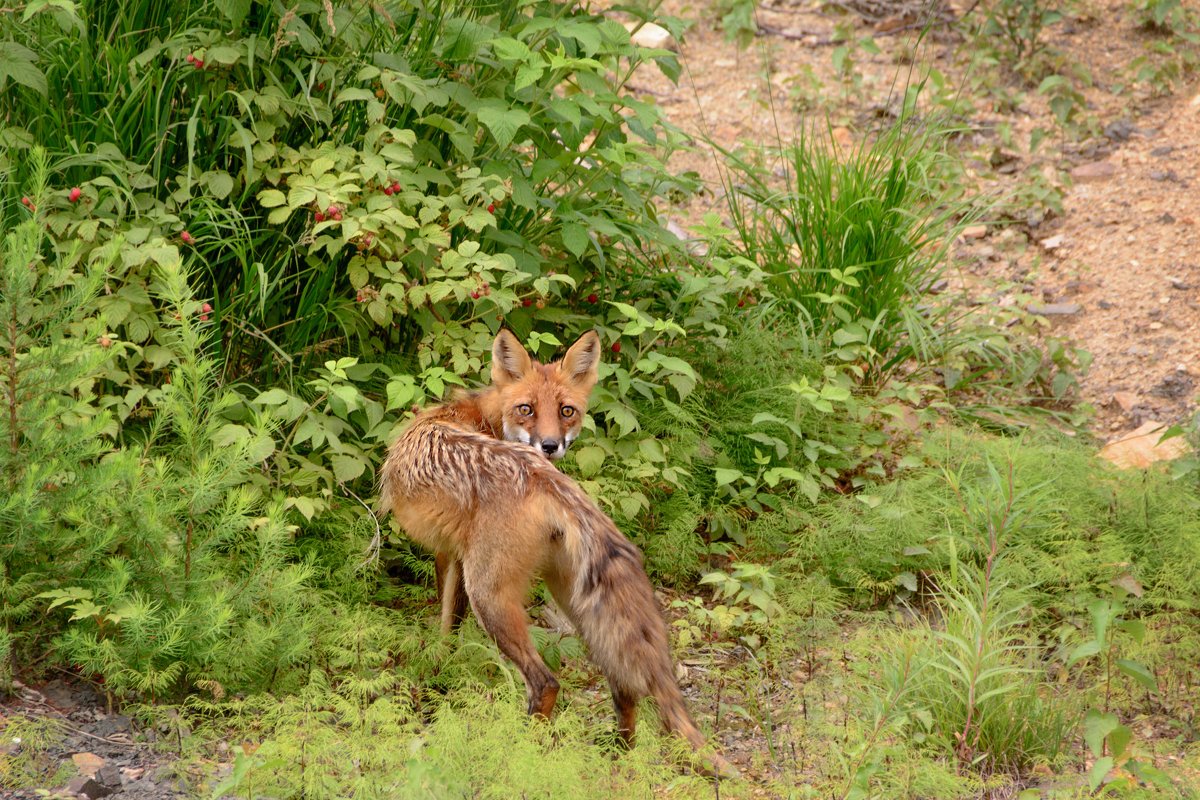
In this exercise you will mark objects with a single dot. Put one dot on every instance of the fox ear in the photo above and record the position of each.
(510, 362)
(578, 366)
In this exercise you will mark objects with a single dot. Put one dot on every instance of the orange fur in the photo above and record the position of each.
(472, 481)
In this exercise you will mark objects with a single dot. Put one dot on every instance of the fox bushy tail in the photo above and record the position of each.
(612, 604)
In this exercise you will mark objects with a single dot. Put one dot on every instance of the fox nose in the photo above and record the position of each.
(549, 446)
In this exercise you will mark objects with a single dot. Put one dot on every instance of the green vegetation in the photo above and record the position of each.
(240, 242)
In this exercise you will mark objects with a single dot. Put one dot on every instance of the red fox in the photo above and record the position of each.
(472, 480)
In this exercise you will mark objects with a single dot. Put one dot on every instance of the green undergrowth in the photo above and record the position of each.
(953, 663)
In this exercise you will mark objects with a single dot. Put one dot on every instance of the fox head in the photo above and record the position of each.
(543, 404)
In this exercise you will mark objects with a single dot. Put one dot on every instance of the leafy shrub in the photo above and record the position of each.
(172, 566)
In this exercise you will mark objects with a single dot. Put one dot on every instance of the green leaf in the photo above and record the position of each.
(725, 476)
(234, 10)
(589, 460)
(1096, 728)
(1099, 771)
(17, 62)
(501, 120)
(347, 468)
(229, 434)
(1085, 650)
(271, 198)
(272, 397)
(574, 238)
(1139, 673)
(223, 54)
(220, 184)
(1118, 740)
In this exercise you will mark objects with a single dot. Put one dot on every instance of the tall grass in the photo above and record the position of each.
(853, 238)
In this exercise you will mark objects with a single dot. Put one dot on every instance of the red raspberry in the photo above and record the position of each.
(319, 217)
(74, 195)
(527, 302)
(186, 237)
(491, 208)
(616, 347)
(206, 308)
(591, 298)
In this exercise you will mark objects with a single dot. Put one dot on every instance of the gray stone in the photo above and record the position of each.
(1055, 309)
(88, 788)
(109, 776)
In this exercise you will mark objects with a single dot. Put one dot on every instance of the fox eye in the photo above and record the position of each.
(567, 411)
(524, 409)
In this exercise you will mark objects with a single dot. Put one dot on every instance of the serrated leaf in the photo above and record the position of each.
(219, 183)
(272, 397)
(574, 238)
(229, 434)
(725, 476)
(501, 120)
(18, 63)
(347, 468)
(234, 10)
(589, 459)
(271, 198)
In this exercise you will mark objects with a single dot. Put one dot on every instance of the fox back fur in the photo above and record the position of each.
(473, 481)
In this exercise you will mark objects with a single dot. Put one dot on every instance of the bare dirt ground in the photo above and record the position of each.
(1119, 269)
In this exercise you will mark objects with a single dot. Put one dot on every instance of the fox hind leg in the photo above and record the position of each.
(625, 702)
(451, 591)
(499, 608)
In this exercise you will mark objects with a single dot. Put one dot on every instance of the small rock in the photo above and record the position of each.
(1142, 447)
(1104, 304)
(1174, 387)
(87, 787)
(1166, 219)
(974, 231)
(1165, 150)
(1179, 283)
(88, 763)
(893, 23)
(1158, 176)
(1126, 400)
(1094, 172)
(1055, 309)
(1053, 242)
(134, 773)
(650, 35)
(1119, 131)
(109, 776)
(109, 726)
